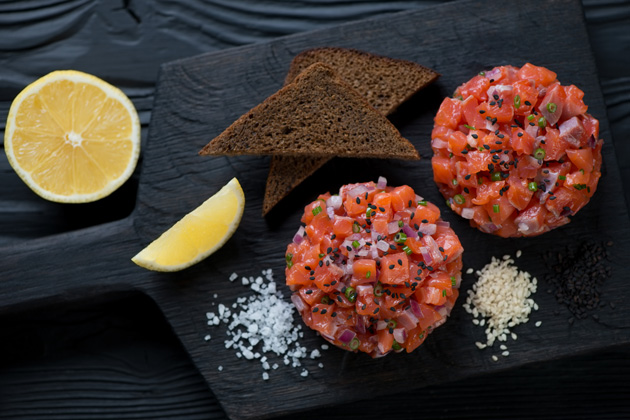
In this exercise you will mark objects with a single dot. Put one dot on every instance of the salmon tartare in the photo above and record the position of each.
(374, 269)
(515, 152)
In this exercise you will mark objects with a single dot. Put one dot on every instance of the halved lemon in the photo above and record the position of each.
(198, 234)
(72, 137)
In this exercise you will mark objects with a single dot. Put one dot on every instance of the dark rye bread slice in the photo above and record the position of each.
(286, 173)
(385, 82)
(317, 114)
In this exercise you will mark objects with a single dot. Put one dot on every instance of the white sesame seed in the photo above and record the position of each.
(495, 358)
(470, 271)
(538, 323)
(518, 254)
(220, 368)
(501, 298)
(233, 276)
(304, 373)
(207, 337)
(503, 347)
(505, 353)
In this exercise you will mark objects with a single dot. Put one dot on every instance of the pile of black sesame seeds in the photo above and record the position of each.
(578, 275)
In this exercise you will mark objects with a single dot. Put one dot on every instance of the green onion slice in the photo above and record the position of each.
(540, 153)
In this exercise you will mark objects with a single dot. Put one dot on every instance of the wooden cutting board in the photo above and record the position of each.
(197, 98)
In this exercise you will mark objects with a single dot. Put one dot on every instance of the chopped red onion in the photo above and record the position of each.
(392, 227)
(407, 319)
(363, 252)
(411, 233)
(443, 223)
(300, 305)
(299, 236)
(358, 190)
(382, 183)
(347, 269)
(494, 74)
(382, 245)
(532, 130)
(433, 248)
(330, 212)
(489, 228)
(381, 325)
(400, 335)
(468, 213)
(415, 308)
(418, 198)
(426, 255)
(347, 336)
(334, 201)
(361, 324)
(427, 228)
(443, 310)
(374, 252)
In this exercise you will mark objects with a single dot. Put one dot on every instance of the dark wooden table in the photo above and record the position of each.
(115, 356)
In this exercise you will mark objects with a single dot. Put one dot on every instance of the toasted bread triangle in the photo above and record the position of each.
(316, 115)
(385, 82)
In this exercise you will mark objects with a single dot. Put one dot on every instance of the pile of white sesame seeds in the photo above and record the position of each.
(261, 325)
(500, 299)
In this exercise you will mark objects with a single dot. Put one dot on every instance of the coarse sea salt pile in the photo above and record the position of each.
(501, 299)
(261, 326)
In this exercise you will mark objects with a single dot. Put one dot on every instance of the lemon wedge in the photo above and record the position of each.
(198, 234)
(72, 137)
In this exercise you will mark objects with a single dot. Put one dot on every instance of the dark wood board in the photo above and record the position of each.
(198, 97)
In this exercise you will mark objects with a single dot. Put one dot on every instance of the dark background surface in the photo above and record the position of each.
(116, 357)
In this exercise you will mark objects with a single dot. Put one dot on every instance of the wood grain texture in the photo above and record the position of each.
(198, 97)
(588, 386)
